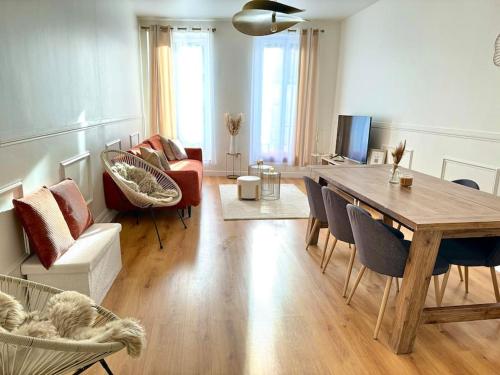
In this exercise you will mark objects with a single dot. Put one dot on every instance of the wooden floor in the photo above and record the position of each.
(244, 297)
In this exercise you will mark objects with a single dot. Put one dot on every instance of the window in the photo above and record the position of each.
(274, 98)
(192, 76)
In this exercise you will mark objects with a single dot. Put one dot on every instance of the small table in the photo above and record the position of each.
(271, 183)
(231, 173)
(258, 169)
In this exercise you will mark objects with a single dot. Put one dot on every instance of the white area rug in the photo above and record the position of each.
(291, 205)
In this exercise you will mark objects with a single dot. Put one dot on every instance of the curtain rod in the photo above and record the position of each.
(213, 29)
(295, 30)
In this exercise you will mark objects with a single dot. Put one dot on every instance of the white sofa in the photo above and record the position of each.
(90, 266)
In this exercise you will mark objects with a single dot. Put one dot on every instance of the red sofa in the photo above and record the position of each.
(188, 174)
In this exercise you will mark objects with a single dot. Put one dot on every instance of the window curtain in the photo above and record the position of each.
(162, 107)
(274, 98)
(193, 89)
(305, 130)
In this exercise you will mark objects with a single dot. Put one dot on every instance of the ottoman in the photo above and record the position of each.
(248, 187)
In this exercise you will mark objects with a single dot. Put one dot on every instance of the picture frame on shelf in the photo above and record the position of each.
(377, 156)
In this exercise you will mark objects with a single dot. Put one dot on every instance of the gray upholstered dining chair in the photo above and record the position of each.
(317, 214)
(340, 228)
(472, 252)
(473, 185)
(380, 250)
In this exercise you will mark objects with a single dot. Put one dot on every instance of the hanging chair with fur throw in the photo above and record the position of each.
(144, 185)
(47, 331)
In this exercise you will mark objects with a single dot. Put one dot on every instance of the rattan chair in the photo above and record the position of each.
(21, 355)
(138, 199)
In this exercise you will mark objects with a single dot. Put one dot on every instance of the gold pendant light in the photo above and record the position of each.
(265, 17)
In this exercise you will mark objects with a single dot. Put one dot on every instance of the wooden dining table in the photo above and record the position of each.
(433, 209)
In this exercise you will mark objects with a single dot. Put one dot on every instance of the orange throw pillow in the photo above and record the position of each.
(73, 206)
(45, 226)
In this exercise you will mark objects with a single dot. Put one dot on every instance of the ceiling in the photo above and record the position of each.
(210, 9)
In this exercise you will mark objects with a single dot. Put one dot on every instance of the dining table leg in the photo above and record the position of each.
(312, 234)
(411, 298)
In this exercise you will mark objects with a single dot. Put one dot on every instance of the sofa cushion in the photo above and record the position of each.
(155, 157)
(73, 206)
(178, 149)
(136, 150)
(45, 226)
(165, 142)
(83, 256)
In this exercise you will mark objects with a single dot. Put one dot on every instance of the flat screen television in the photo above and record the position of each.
(353, 135)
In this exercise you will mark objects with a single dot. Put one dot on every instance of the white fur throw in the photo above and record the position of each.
(141, 181)
(69, 316)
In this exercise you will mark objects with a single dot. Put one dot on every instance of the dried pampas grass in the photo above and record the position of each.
(233, 124)
(398, 152)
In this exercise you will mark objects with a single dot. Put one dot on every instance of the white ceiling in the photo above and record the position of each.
(209, 9)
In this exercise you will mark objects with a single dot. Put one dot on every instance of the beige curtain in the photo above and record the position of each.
(162, 114)
(305, 132)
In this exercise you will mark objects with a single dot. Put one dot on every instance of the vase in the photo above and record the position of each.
(395, 174)
(232, 144)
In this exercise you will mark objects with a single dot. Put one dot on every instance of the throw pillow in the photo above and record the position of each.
(178, 149)
(156, 158)
(45, 226)
(167, 148)
(73, 206)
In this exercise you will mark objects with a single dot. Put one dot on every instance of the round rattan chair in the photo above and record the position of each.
(143, 201)
(22, 355)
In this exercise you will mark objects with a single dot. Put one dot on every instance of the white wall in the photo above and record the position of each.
(232, 84)
(60, 60)
(424, 70)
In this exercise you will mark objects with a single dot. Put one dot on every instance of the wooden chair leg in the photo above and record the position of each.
(495, 283)
(324, 249)
(443, 286)
(330, 255)
(356, 283)
(349, 271)
(383, 305)
(399, 226)
(397, 284)
(436, 290)
(466, 279)
(460, 273)
(437, 294)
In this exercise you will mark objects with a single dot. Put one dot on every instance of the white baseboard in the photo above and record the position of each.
(285, 174)
(106, 216)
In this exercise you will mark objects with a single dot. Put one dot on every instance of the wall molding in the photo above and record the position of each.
(496, 170)
(77, 159)
(477, 135)
(76, 127)
(15, 187)
(131, 139)
(110, 144)
(17, 190)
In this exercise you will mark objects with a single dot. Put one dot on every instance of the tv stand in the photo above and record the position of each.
(326, 160)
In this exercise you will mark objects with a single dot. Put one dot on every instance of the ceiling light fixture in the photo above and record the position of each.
(265, 17)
